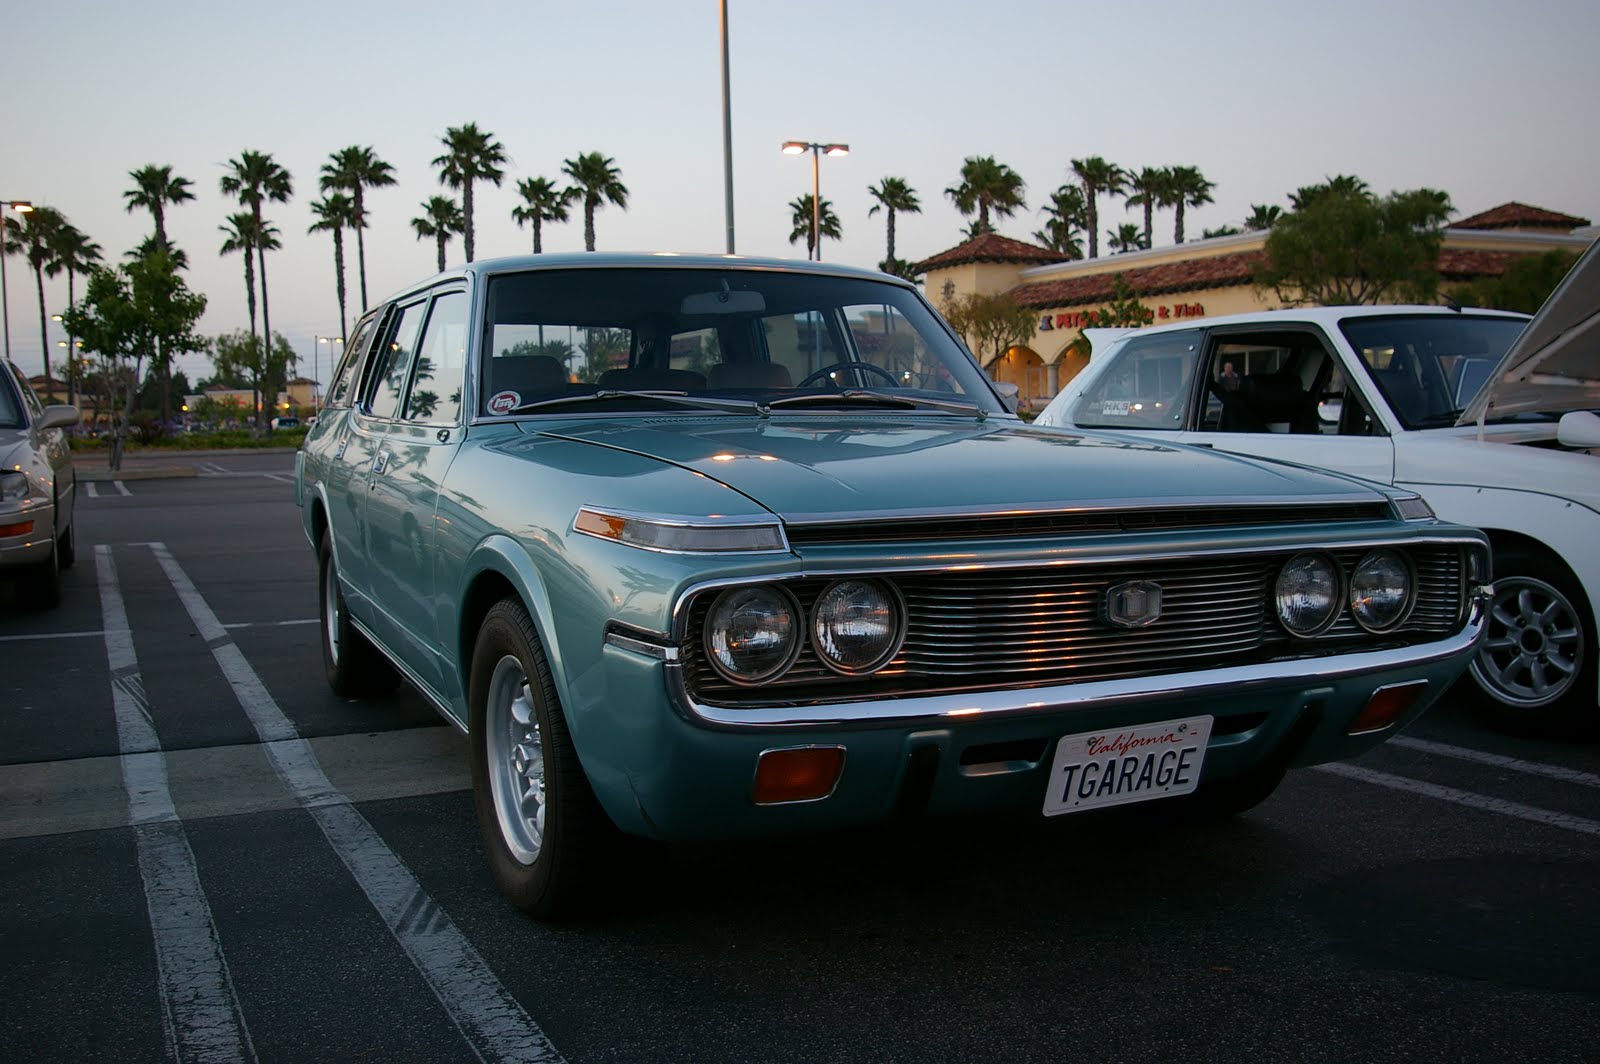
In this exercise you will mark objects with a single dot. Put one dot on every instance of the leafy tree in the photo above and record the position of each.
(440, 219)
(1262, 217)
(335, 213)
(800, 217)
(894, 196)
(990, 324)
(129, 315)
(1125, 310)
(1126, 237)
(473, 155)
(542, 201)
(1065, 219)
(1526, 284)
(154, 188)
(1189, 188)
(33, 235)
(1347, 246)
(987, 186)
(74, 253)
(150, 397)
(603, 349)
(1097, 176)
(1149, 188)
(597, 180)
(241, 234)
(255, 178)
(354, 170)
(236, 356)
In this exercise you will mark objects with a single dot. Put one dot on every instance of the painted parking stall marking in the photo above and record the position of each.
(201, 1016)
(1466, 798)
(1513, 764)
(491, 1021)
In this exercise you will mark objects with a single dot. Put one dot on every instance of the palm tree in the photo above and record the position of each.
(33, 237)
(150, 246)
(241, 234)
(1064, 222)
(335, 213)
(595, 180)
(543, 201)
(255, 177)
(1148, 189)
(153, 189)
(1097, 176)
(1189, 189)
(474, 155)
(1126, 237)
(827, 222)
(440, 218)
(353, 170)
(893, 195)
(1263, 216)
(987, 185)
(1346, 185)
(75, 253)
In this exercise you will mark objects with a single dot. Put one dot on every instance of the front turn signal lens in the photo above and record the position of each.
(1387, 705)
(798, 774)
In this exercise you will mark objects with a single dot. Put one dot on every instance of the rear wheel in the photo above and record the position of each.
(67, 542)
(353, 666)
(546, 838)
(1536, 669)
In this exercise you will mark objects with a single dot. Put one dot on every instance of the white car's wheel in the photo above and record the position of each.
(1536, 669)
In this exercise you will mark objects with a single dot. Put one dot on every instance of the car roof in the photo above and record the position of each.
(1327, 316)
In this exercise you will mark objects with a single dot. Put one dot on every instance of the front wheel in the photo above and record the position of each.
(353, 666)
(545, 836)
(39, 586)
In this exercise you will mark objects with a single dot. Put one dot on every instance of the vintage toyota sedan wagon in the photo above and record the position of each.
(695, 548)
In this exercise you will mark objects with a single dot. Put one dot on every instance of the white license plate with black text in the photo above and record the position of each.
(1097, 769)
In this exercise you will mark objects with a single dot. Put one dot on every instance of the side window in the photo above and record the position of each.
(391, 364)
(1146, 387)
(435, 394)
(1283, 381)
(344, 378)
(696, 350)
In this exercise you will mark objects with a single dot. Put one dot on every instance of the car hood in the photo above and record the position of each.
(821, 469)
(1553, 365)
(13, 448)
(1507, 457)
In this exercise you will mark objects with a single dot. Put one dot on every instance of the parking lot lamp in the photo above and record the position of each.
(21, 207)
(333, 359)
(799, 147)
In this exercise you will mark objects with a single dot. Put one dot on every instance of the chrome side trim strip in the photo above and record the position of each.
(421, 688)
(623, 641)
(951, 709)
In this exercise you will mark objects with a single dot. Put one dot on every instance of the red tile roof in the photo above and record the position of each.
(1519, 216)
(990, 247)
(1219, 271)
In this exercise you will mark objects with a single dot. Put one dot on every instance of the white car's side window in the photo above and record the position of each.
(1146, 387)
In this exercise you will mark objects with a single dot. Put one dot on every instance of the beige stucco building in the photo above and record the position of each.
(1200, 279)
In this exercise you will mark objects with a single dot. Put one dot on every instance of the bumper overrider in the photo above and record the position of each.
(701, 771)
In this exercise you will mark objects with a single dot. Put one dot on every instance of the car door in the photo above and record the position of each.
(1283, 391)
(417, 427)
(338, 453)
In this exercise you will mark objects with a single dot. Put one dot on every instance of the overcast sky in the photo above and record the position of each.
(1488, 101)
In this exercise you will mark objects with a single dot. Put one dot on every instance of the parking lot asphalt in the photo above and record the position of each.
(205, 854)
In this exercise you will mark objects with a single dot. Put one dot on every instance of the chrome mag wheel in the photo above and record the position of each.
(514, 752)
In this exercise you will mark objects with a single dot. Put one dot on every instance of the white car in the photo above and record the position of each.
(1489, 417)
(37, 538)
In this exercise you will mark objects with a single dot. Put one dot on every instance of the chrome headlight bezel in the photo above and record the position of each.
(895, 637)
(13, 486)
(715, 633)
(1357, 600)
(1335, 597)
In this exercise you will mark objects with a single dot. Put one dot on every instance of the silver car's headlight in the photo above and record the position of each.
(1307, 594)
(13, 487)
(1380, 590)
(753, 633)
(856, 626)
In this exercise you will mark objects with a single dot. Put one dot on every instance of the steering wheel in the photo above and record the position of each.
(825, 372)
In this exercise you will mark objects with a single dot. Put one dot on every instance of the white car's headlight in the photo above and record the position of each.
(753, 633)
(1307, 594)
(13, 487)
(1380, 590)
(856, 626)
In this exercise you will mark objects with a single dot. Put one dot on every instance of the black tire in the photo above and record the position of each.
(39, 585)
(67, 542)
(555, 864)
(1535, 674)
(353, 665)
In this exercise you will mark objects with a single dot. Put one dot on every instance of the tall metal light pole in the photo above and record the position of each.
(316, 383)
(727, 128)
(799, 147)
(21, 207)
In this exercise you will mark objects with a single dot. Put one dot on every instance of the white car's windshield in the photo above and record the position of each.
(1429, 367)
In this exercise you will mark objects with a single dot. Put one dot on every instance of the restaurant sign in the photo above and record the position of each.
(1080, 319)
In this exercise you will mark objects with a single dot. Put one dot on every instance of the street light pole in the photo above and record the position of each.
(727, 129)
(316, 383)
(797, 147)
(21, 207)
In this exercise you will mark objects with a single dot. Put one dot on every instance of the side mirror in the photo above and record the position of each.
(57, 417)
(1578, 429)
(1010, 395)
(1330, 410)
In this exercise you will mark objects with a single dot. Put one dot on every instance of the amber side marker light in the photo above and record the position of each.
(798, 774)
(1387, 705)
(16, 530)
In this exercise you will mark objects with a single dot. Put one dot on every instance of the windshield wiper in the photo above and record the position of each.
(873, 397)
(1446, 418)
(702, 402)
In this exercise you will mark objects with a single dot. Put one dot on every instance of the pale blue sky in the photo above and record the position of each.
(1489, 101)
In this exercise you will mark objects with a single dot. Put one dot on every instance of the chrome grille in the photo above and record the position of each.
(1010, 628)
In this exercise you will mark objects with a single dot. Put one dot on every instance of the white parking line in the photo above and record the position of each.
(494, 1025)
(92, 488)
(1466, 798)
(201, 1016)
(279, 477)
(97, 633)
(1514, 764)
(121, 487)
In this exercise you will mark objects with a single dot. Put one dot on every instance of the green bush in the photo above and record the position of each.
(221, 440)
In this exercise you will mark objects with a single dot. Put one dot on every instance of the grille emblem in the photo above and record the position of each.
(1133, 604)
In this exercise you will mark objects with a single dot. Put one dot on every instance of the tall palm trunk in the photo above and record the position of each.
(1092, 215)
(890, 212)
(441, 237)
(44, 334)
(361, 258)
(72, 349)
(338, 266)
(588, 224)
(538, 246)
(466, 212)
(250, 301)
(983, 216)
(1177, 234)
(266, 321)
(161, 224)
(1149, 221)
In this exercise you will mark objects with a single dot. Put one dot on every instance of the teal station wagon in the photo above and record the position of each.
(698, 548)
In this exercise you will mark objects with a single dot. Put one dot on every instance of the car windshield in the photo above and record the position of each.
(1429, 367)
(604, 336)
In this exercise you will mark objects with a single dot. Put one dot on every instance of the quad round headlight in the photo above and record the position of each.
(1380, 590)
(1307, 594)
(753, 633)
(856, 626)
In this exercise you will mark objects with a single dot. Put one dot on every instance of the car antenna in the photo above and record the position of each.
(1451, 303)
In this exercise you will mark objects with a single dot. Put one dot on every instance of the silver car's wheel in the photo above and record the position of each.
(515, 754)
(1535, 647)
(332, 621)
(352, 665)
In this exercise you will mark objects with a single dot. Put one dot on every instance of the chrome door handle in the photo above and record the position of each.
(381, 463)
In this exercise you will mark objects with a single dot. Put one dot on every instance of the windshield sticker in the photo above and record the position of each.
(1115, 408)
(504, 402)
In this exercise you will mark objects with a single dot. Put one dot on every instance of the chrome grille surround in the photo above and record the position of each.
(1019, 626)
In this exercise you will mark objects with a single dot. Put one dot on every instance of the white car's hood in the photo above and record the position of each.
(1499, 460)
(1553, 366)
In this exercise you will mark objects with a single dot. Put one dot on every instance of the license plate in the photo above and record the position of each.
(1097, 769)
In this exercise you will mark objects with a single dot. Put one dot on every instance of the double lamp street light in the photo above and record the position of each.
(800, 147)
(21, 207)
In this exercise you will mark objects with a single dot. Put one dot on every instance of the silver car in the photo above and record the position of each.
(36, 490)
